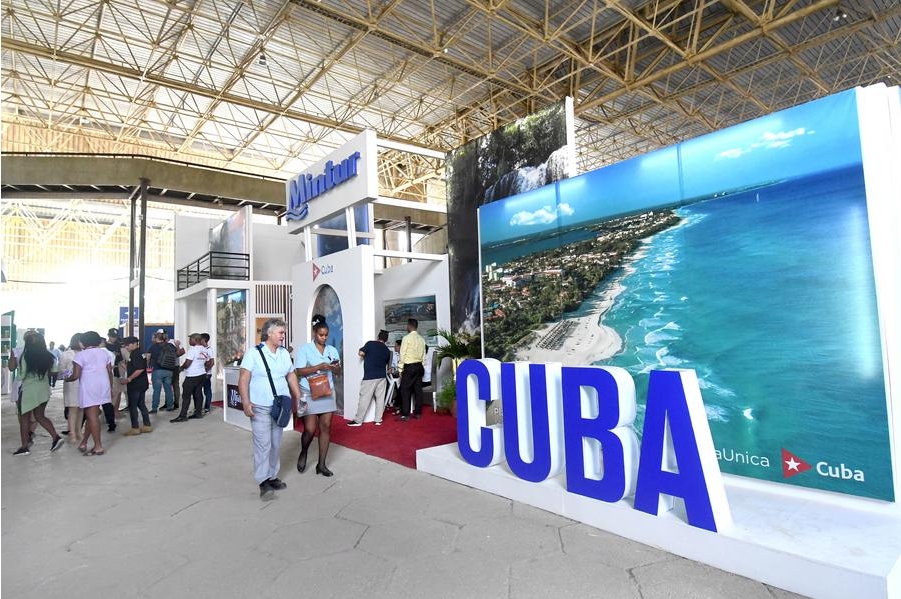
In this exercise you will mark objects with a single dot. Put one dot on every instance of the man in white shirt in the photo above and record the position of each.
(194, 368)
(208, 381)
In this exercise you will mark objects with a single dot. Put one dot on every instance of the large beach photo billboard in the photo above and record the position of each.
(745, 255)
(532, 152)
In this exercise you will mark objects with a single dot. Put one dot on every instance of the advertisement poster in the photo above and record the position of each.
(231, 237)
(527, 154)
(398, 311)
(234, 398)
(743, 255)
(231, 324)
(259, 321)
(328, 304)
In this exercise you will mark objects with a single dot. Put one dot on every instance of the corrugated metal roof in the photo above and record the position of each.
(266, 85)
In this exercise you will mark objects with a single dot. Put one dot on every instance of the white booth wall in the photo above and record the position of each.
(415, 279)
(361, 294)
(272, 252)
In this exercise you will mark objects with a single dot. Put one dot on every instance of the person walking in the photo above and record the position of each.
(195, 372)
(54, 370)
(376, 357)
(256, 399)
(135, 382)
(208, 379)
(316, 358)
(33, 370)
(160, 352)
(70, 390)
(94, 371)
(412, 356)
(114, 345)
(15, 387)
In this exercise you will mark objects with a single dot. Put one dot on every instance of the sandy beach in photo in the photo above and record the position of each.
(578, 340)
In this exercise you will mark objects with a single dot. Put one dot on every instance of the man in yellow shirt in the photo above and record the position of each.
(412, 356)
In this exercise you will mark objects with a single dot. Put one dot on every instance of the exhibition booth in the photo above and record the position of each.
(729, 305)
(697, 348)
(299, 269)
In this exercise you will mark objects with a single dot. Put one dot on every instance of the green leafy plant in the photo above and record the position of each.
(457, 347)
(447, 395)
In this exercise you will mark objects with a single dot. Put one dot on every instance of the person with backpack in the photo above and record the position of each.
(164, 361)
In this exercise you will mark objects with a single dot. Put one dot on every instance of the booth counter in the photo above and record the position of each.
(232, 408)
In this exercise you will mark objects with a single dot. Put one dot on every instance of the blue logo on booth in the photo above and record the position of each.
(304, 187)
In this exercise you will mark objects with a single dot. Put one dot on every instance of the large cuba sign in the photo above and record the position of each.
(578, 421)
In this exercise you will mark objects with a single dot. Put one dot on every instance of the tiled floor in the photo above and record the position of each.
(176, 513)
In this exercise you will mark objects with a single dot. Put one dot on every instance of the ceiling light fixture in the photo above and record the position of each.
(840, 15)
(262, 60)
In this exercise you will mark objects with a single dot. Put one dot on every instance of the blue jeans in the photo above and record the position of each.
(208, 392)
(161, 378)
(267, 441)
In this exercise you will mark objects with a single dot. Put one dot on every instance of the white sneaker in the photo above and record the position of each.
(354, 423)
(379, 423)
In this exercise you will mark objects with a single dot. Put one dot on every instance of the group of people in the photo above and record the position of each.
(95, 373)
(407, 368)
(267, 372)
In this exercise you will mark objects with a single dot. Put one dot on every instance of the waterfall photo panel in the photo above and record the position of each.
(527, 154)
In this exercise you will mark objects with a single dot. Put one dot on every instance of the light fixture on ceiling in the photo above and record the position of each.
(446, 49)
(262, 60)
(839, 15)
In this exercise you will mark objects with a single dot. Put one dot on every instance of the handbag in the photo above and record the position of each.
(319, 386)
(282, 405)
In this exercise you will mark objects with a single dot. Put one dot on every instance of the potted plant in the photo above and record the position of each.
(457, 347)
(446, 397)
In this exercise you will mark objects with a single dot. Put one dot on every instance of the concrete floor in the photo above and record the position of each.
(176, 513)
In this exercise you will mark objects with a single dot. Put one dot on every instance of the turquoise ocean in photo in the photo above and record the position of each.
(766, 289)
(769, 296)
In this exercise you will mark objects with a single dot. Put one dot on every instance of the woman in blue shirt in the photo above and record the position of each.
(256, 399)
(317, 358)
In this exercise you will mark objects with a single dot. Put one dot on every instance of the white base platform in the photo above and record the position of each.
(790, 539)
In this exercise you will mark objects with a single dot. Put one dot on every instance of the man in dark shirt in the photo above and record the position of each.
(136, 381)
(376, 357)
(160, 377)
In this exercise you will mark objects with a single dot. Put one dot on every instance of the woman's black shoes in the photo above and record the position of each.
(323, 470)
(302, 461)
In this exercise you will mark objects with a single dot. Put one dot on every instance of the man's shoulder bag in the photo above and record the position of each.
(282, 405)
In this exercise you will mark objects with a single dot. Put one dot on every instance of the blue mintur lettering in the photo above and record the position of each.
(305, 187)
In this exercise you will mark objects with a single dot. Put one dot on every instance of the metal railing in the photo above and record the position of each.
(214, 265)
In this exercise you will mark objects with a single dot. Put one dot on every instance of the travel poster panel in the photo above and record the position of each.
(524, 155)
(422, 308)
(231, 327)
(328, 304)
(743, 255)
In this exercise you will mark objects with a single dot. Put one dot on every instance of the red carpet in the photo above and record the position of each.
(395, 441)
